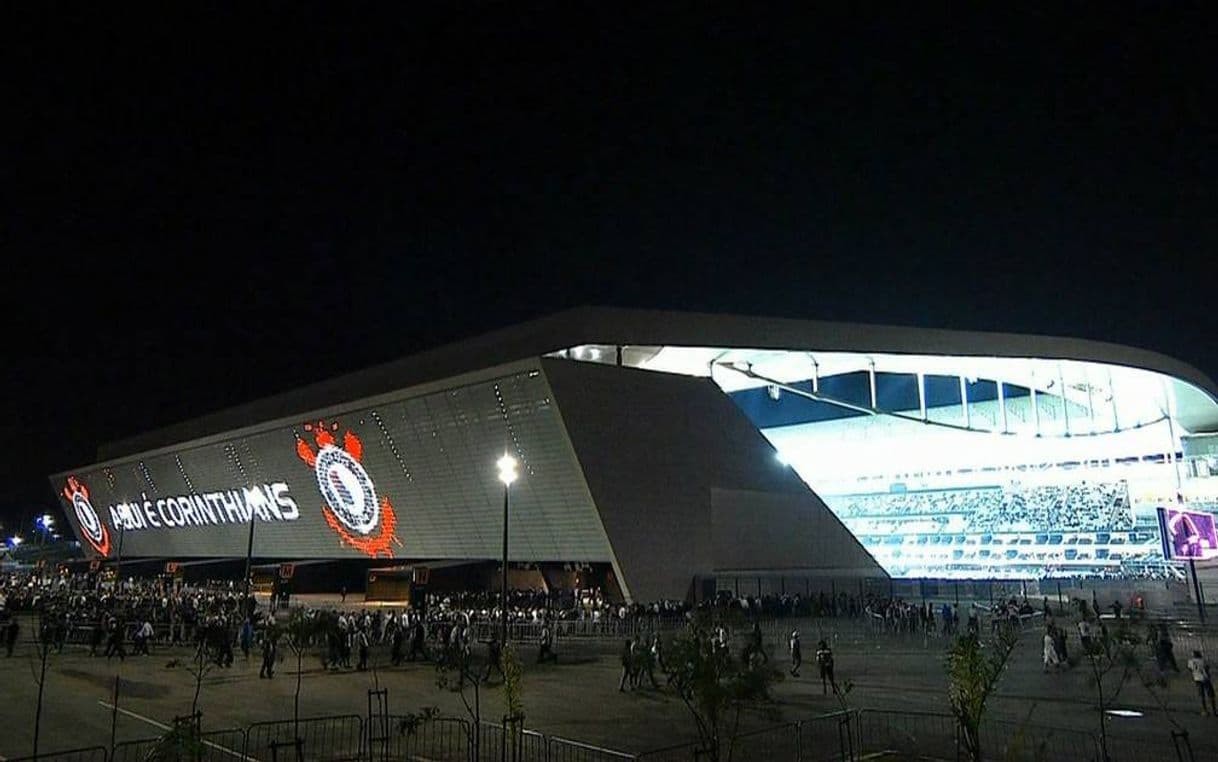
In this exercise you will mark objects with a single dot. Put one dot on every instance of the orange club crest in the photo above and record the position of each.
(92, 528)
(351, 508)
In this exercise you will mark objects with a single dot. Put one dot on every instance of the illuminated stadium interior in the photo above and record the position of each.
(972, 467)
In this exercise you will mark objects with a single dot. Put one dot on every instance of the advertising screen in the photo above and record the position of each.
(1188, 534)
(411, 478)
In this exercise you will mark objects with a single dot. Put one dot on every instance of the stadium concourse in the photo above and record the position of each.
(591, 701)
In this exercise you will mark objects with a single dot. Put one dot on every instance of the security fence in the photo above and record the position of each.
(212, 746)
(324, 739)
(91, 754)
(834, 737)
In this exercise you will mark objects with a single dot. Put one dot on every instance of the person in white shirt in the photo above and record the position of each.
(1205, 686)
(1050, 651)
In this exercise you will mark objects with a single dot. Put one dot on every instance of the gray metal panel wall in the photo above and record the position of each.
(652, 446)
(432, 455)
(773, 532)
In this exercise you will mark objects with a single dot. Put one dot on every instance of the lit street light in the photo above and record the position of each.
(507, 475)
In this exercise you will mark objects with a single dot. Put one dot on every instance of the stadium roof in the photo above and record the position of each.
(693, 343)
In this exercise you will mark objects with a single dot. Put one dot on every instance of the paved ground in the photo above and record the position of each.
(578, 698)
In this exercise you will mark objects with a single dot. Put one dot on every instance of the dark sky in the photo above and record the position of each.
(209, 208)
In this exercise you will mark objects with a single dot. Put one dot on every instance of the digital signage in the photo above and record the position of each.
(1188, 534)
(410, 478)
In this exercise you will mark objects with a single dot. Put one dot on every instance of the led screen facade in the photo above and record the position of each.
(1188, 534)
(410, 478)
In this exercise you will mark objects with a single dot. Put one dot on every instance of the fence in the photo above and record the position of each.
(563, 750)
(522, 745)
(214, 746)
(439, 739)
(321, 739)
(834, 737)
(91, 754)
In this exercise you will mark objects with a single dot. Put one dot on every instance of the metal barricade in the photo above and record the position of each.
(930, 734)
(685, 752)
(1016, 741)
(779, 743)
(213, 746)
(446, 739)
(90, 754)
(829, 737)
(564, 750)
(522, 745)
(322, 739)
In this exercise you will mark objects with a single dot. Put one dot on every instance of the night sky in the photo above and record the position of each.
(205, 209)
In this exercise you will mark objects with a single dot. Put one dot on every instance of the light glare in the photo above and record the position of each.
(507, 469)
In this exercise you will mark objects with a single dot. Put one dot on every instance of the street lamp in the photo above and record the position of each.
(507, 475)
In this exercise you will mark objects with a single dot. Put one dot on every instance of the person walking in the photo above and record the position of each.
(796, 654)
(269, 648)
(395, 650)
(1165, 651)
(627, 658)
(418, 634)
(247, 638)
(143, 637)
(494, 658)
(1084, 635)
(361, 642)
(1205, 685)
(117, 644)
(1049, 651)
(11, 631)
(824, 661)
(545, 645)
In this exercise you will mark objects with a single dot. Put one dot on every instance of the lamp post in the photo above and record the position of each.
(507, 475)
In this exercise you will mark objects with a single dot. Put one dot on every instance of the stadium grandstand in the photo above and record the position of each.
(670, 453)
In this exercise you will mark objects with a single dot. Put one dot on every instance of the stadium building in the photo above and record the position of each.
(667, 455)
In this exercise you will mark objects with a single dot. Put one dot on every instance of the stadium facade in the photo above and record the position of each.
(671, 453)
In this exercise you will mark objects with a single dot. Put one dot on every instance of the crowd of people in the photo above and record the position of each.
(1085, 506)
(108, 616)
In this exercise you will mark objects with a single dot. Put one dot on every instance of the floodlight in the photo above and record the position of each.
(507, 469)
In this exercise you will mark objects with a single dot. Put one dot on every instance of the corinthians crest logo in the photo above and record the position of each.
(91, 526)
(351, 509)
